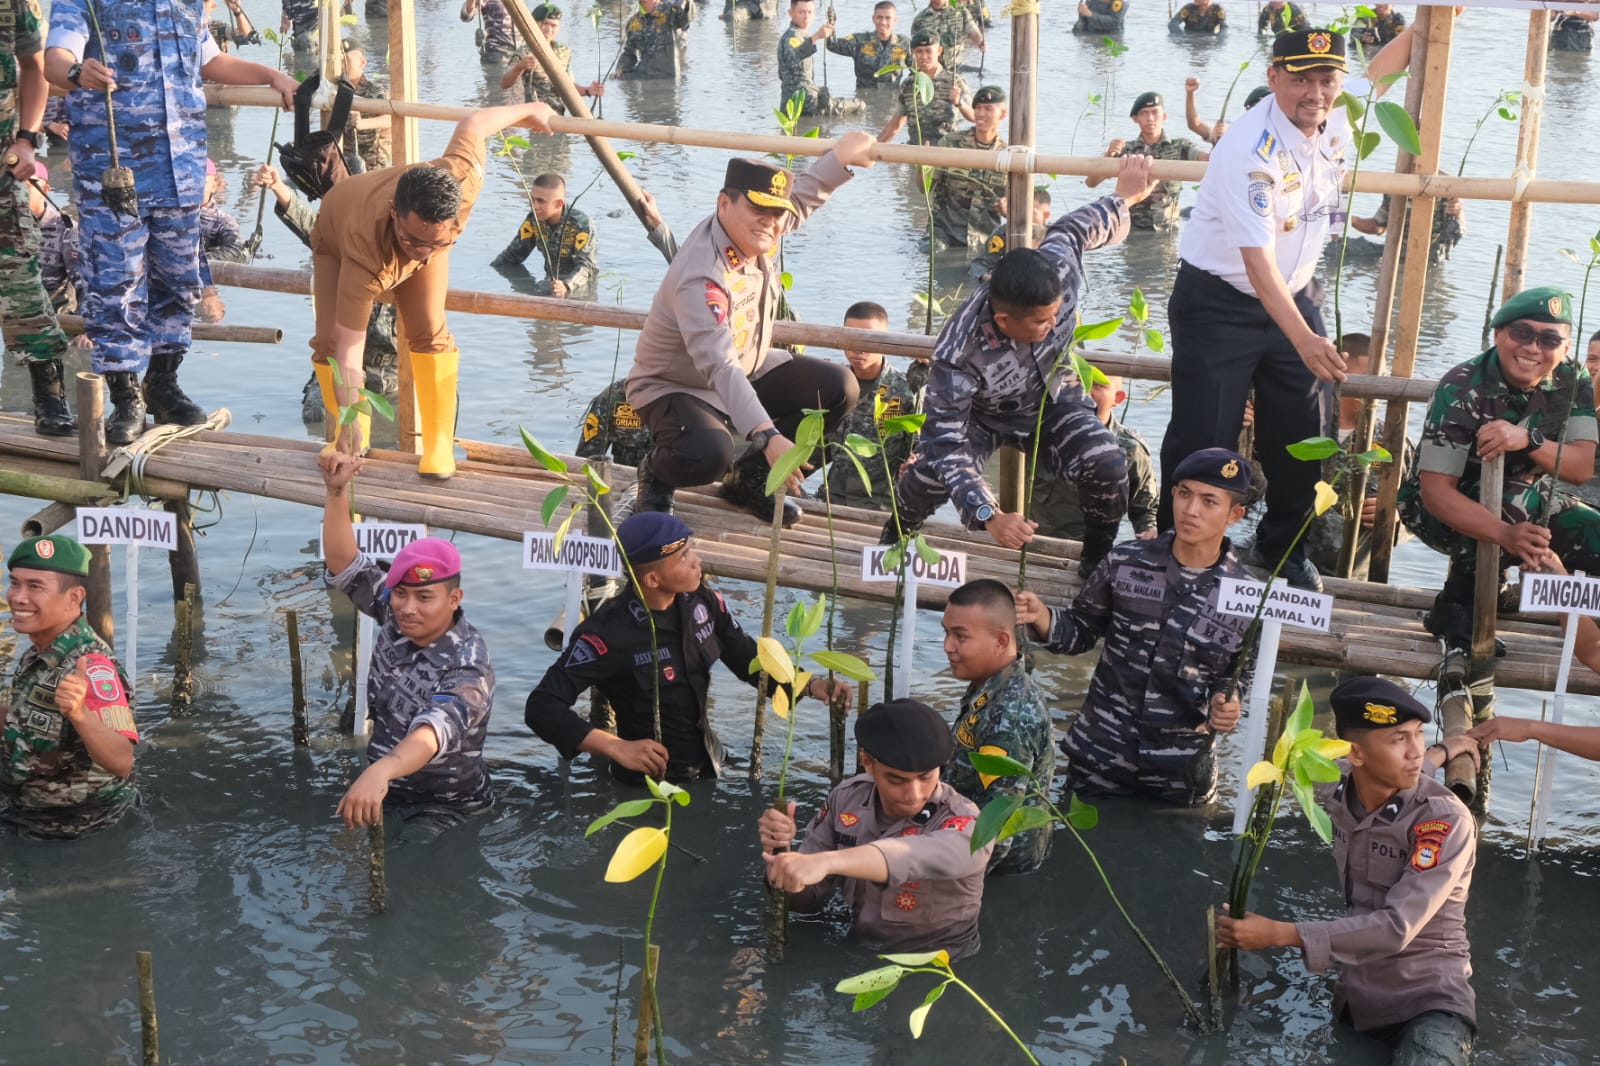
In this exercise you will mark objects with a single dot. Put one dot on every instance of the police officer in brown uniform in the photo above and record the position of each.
(1405, 848)
(704, 372)
(895, 840)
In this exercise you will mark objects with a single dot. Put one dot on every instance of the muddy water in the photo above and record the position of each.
(501, 943)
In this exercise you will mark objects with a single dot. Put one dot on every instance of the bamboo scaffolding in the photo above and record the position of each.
(73, 325)
(1527, 166)
(1539, 190)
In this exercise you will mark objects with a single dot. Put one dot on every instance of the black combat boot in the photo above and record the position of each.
(51, 415)
(1098, 540)
(126, 423)
(649, 493)
(746, 488)
(168, 404)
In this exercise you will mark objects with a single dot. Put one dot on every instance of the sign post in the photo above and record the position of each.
(377, 540)
(948, 571)
(134, 527)
(1571, 596)
(1285, 606)
(579, 555)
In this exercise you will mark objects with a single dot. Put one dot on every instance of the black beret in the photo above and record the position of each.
(651, 536)
(1298, 50)
(923, 39)
(1144, 100)
(1215, 466)
(905, 735)
(1375, 703)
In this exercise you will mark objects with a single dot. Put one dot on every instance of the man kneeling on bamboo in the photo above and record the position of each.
(431, 687)
(388, 234)
(895, 840)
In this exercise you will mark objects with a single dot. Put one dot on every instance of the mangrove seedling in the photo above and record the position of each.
(1094, 104)
(1228, 96)
(1010, 814)
(644, 846)
(1116, 49)
(874, 985)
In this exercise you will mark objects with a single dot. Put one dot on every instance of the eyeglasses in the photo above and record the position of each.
(411, 242)
(1548, 339)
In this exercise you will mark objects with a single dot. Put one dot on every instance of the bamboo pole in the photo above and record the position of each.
(1419, 239)
(149, 1034)
(183, 673)
(184, 560)
(1486, 593)
(1527, 148)
(760, 731)
(1455, 717)
(203, 331)
(297, 680)
(404, 134)
(1439, 186)
(1024, 97)
(47, 520)
(45, 487)
(91, 455)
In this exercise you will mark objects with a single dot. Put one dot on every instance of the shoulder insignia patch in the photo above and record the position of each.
(623, 416)
(958, 822)
(997, 244)
(594, 642)
(1265, 145)
(527, 231)
(1430, 842)
(731, 254)
(1433, 828)
(581, 241)
(591, 426)
(580, 653)
(717, 301)
(848, 820)
(796, 41)
(991, 749)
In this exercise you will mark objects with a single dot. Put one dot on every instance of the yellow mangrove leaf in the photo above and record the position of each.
(990, 749)
(801, 680)
(780, 702)
(1263, 773)
(1332, 748)
(775, 660)
(1326, 497)
(636, 853)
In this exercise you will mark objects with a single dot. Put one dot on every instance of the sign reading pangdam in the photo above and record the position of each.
(950, 570)
(127, 525)
(1291, 606)
(1560, 594)
(584, 555)
(383, 540)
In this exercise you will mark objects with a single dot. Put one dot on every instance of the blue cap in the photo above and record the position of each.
(1216, 466)
(651, 536)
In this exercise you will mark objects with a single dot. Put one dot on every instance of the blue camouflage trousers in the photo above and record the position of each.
(142, 276)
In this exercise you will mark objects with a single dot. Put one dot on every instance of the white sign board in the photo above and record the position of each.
(579, 554)
(1560, 594)
(950, 571)
(383, 540)
(1290, 606)
(128, 525)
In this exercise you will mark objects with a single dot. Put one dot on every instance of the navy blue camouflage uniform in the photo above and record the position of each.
(984, 390)
(448, 685)
(1168, 650)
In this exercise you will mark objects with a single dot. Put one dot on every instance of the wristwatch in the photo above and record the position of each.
(762, 437)
(984, 513)
(74, 72)
(1535, 442)
(31, 136)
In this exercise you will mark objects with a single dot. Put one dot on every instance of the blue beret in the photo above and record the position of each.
(1215, 466)
(1375, 703)
(651, 536)
(905, 735)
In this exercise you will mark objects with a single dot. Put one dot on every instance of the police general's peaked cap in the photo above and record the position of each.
(1298, 50)
(1374, 703)
(1215, 466)
(905, 735)
(58, 553)
(762, 183)
(1544, 304)
(650, 536)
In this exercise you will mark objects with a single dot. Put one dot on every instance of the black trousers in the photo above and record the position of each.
(1223, 343)
(694, 441)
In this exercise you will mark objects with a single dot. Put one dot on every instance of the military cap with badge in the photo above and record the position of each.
(1297, 50)
(57, 553)
(989, 94)
(650, 536)
(761, 183)
(1217, 467)
(1374, 703)
(1543, 304)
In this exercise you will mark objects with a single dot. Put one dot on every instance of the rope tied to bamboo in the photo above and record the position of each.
(1010, 154)
(1018, 8)
(132, 458)
(1523, 173)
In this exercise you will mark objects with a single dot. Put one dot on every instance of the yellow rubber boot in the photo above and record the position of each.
(330, 403)
(435, 377)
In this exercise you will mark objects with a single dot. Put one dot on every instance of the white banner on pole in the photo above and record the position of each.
(579, 555)
(1572, 595)
(133, 527)
(950, 571)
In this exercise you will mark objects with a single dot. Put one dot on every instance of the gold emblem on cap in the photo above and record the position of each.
(422, 573)
(45, 549)
(668, 549)
(1319, 43)
(1380, 714)
(1230, 469)
(780, 182)
(1555, 305)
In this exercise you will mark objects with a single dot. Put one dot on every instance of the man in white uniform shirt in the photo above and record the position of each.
(1245, 308)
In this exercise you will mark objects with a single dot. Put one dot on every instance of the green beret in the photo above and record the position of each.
(57, 552)
(1144, 100)
(546, 11)
(1544, 304)
(989, 94)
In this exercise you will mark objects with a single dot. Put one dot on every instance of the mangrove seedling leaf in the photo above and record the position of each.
(1313, 448)
(540, 455)
(1082, 816)
(1354, 109)
(1263, 773)
(903, 423)
(919, 1017)
(1318, 768)
(1390, 79)
(680, 796)
(655, 787)
(884, 978)
(1097, 331)
(809, 433)
(625, 155)
(1332, 748)
(997, 765)
(564, 528)
(925, 551)
(844, 664)
(859, 445)
(895, 556)
(861, 470)
(1155, 340)
(552, 503)
(1138, 307)
(1326, 497)
(802, 679)
(625, 809)
(816, 614)
(1365, 12)
(994, 816)
(780, 702)
(921, 958)
(786, 279)
(348, 20)
(636, 853)
(775, 660)
(1373, 455)
(796, 620)
(1320, 822)
(1024, 819)
(379, 403)
(1367, 143)
(595, 481)
(924, 89)
(1396, 122)
(666, 789)
(868, 999)
(892, 68)
(787, 463)
(512, 140)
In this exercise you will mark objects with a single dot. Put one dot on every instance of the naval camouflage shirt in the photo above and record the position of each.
(447, 685)
(1192, 18)
(49, 786)
(1006, 715)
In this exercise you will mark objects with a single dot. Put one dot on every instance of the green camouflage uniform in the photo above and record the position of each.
(1377, 32)
(966, 203)
(612, 425)
(1471, 394)
(536, 84)
(1055, 504)
(871, 55)
(1159, 210)
(30, 323)
(1289, 18)
(49, 786)
(1006, 713)
(1325, 535)
(844, 484)
(939, 116)
(951, 25)
(1191, 19)
(651, 39)
(374, 148)
(567, 247)
(995, 247)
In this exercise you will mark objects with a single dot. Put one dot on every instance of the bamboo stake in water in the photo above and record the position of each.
(148, 1034)
(647, 1008)
(297, 681)
(377, 877)
(766, 631)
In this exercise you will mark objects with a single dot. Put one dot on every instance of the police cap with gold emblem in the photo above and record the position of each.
(425, 561)
(1216, 466)
(905, 735)
(1374, 703)
(650, 536)
(1297, 50)
(1544, 304)
(57, 553)
(761, 183)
